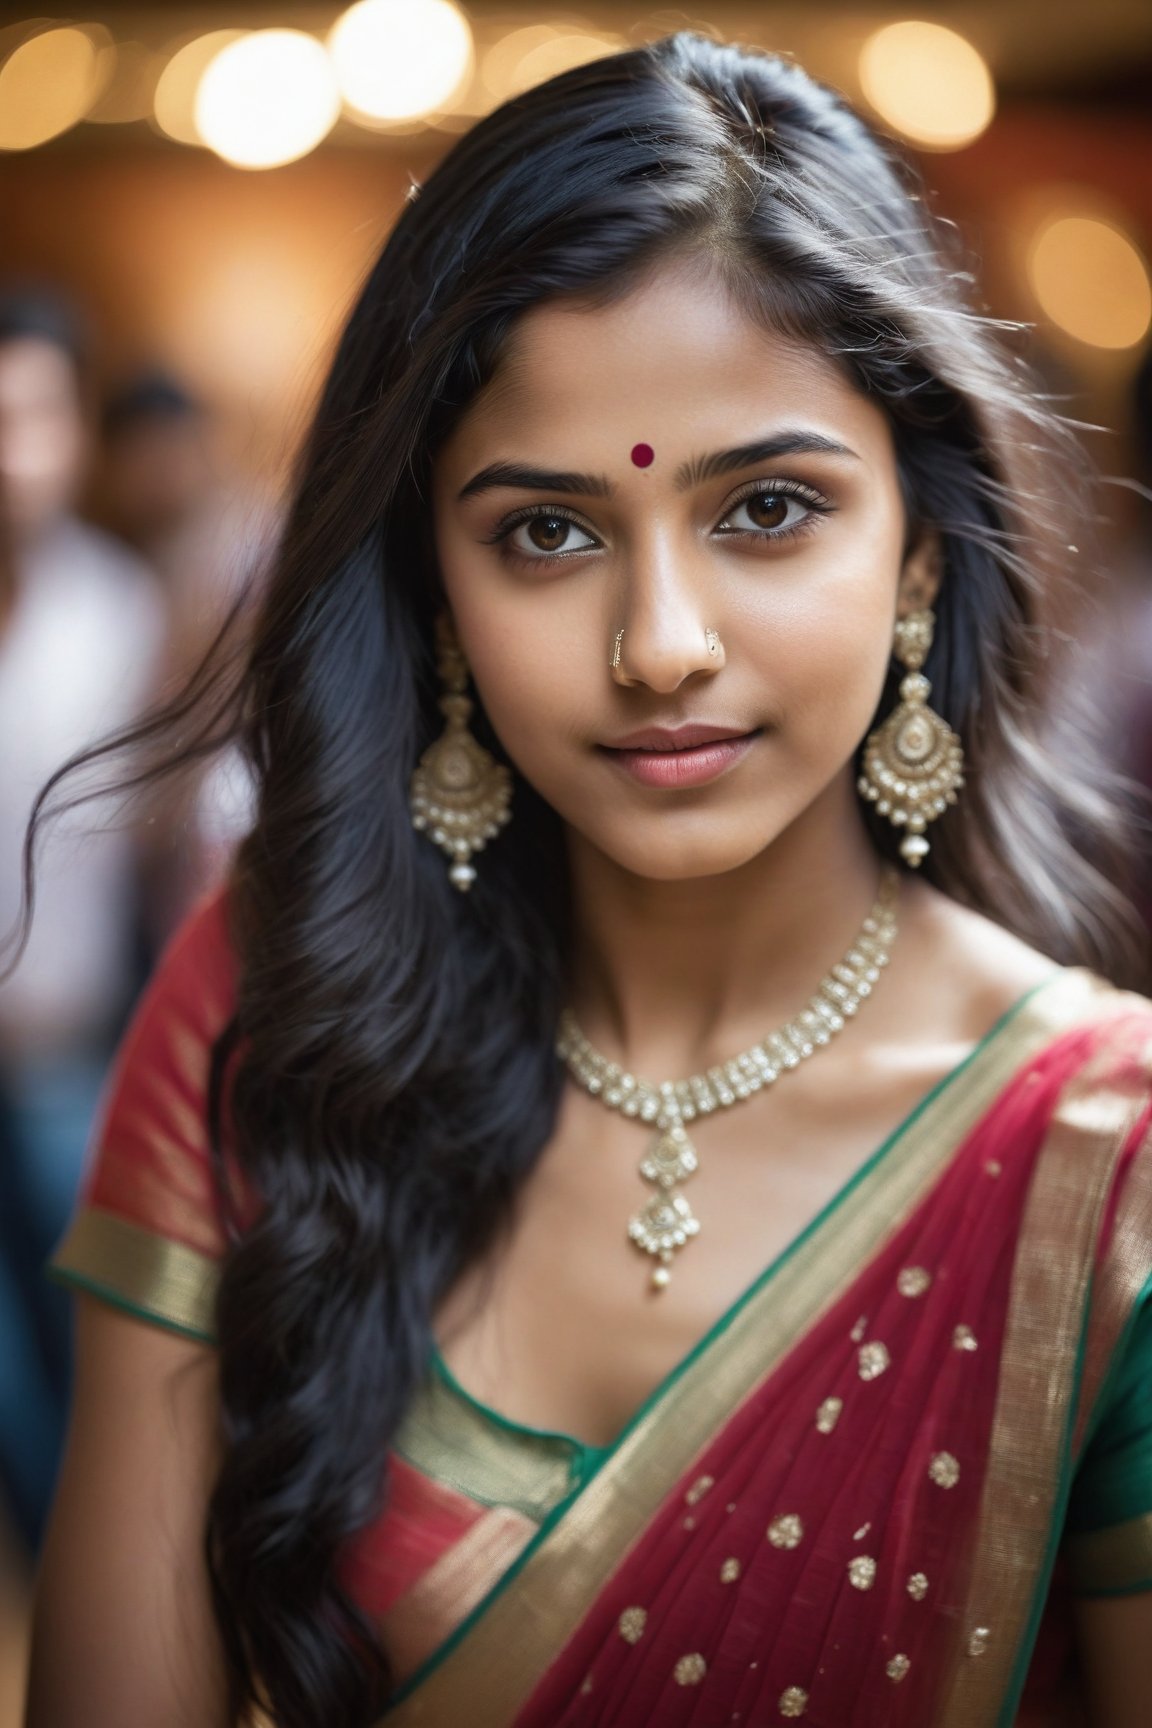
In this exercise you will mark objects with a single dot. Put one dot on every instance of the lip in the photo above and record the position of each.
(676, 737)
(691, 765)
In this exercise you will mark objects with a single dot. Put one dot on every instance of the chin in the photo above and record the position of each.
(687, 861)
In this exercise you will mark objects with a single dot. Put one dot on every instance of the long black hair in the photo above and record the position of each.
(394, 1075)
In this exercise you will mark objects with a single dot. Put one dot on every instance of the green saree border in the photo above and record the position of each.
(144, 1274)
(486, 1670)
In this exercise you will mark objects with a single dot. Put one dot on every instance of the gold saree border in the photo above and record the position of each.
(149, 1275)
(1113, 1560)
(489, 1668)
(1126, 1272)
(1027, 1470)
(445, 1436)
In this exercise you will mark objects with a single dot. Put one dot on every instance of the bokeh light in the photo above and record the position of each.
(537, 52)
(48, 84)
(927, 82)
(396, 59)
(174, 100)
(127, 74)
(267, 98)
(1091, 281)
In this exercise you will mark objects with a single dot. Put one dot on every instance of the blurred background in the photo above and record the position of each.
(189, 197)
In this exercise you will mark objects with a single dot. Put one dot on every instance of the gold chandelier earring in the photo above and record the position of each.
(459, 794)
(913, 762)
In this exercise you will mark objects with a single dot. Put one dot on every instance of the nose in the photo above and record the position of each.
(665, 632)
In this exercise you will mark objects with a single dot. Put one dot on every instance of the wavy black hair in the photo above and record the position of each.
(393, 1077)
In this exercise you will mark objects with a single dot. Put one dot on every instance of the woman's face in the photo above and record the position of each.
(556, 528)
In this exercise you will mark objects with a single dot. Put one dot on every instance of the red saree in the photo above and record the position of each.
(866, 1497)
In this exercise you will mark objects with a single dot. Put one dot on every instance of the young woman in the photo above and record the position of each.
(634, 1205)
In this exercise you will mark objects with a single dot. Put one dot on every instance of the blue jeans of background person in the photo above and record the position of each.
(47, 1109)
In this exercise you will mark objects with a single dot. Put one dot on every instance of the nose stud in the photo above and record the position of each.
(711, 638)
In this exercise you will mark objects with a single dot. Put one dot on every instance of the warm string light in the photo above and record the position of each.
(267, 98)
(49, 82)
(401, 59)
(1091, 280)
(927, 82)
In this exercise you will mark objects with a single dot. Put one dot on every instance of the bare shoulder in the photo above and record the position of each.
(123, 1629)
(958, 969)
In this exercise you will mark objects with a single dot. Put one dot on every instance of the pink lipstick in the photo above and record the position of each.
(684, 756)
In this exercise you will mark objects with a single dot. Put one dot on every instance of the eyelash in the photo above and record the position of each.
(818, 506)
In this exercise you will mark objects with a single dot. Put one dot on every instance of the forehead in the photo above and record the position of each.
(671, 363)
(33, 369)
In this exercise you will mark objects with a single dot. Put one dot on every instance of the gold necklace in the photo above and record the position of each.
(667, 1222)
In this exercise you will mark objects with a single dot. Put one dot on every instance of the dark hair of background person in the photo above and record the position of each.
(394, 1076)
(31, 312)
(150, 398)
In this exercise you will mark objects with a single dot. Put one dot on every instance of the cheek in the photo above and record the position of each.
(530, 665)
(822, 648)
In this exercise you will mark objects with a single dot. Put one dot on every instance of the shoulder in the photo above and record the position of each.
(964, 969)
(150, 1162)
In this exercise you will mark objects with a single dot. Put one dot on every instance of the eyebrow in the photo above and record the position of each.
(528, 479)
(792, 441)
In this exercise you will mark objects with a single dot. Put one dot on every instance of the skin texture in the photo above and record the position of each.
(123, 1630)
(704, 917)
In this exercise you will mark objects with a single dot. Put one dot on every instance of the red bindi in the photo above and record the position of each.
(643, 455)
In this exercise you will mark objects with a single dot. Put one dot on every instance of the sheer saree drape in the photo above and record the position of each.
(865, 1496)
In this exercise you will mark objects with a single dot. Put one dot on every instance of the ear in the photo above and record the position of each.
(920, 573)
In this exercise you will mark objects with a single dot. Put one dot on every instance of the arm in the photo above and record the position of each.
(1114, 1634)
(123, 1629)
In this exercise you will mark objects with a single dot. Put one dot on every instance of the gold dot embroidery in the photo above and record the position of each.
(897, 1668)
(632, 1623)
(689, 1523)
(730, 1571)
(917, 1586)
(690, 1670)
(858, 1331)
(963, 1338)
(873, 1359)
(859, 1535)
(793, 1701)
(913, 1281)
(944, 1470)
(787, 1531)
(698, 1489)
(993, 1167)
(587, 1685)
(978, 1640)
(862, 1572)
(829, 1414)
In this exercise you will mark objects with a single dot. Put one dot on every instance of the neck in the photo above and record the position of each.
(670, 978)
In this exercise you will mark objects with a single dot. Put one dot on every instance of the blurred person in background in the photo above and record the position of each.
(166, 487)
(81, 632)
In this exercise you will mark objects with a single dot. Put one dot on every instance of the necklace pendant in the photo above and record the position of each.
(662, 1227)
(670, 1158)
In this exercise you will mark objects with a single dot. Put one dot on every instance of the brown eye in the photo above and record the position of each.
(548, 533)
(767, 509)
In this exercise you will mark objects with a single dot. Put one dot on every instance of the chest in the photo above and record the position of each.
(560, 1328)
